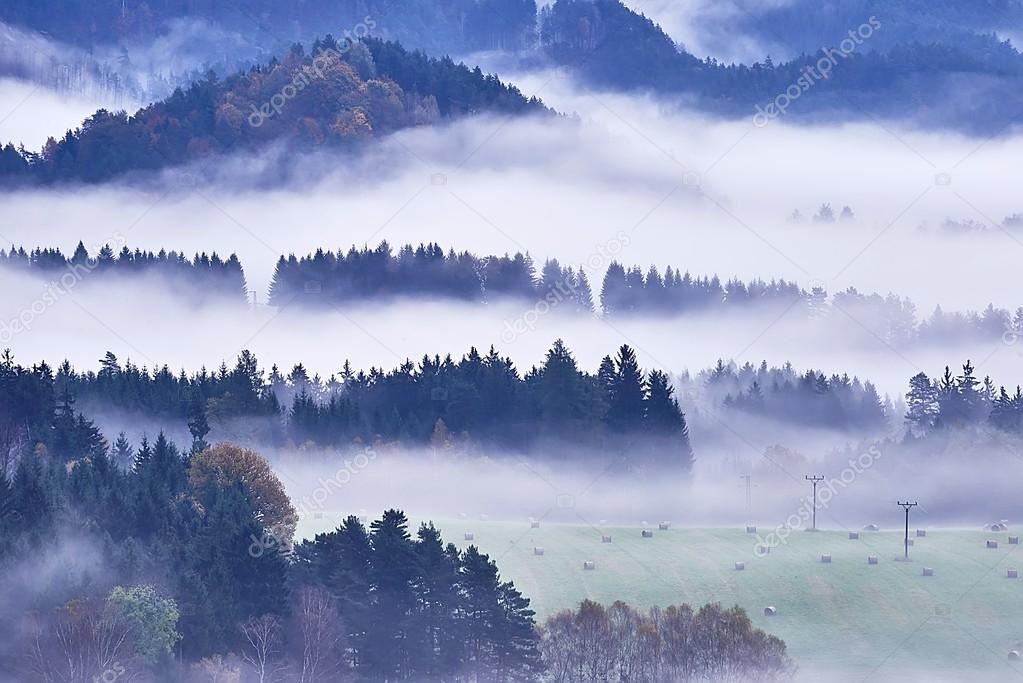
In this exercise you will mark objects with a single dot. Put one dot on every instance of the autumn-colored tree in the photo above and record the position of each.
(227, 465)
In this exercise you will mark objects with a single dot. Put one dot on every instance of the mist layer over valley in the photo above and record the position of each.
(326, 364)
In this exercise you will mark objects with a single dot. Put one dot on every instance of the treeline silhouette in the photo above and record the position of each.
(327, 278)
(200, 277)
(964, 400)
(478, 400)
(810, 398)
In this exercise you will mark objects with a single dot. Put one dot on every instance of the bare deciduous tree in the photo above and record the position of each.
(619, 644)
(263, 650)
(321, 636)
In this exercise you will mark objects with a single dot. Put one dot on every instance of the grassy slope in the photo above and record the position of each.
(847, 618)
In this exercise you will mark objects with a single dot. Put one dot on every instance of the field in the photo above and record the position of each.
(842, 621)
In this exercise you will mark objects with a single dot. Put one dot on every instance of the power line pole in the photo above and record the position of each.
(905, 544)
(814, 479)
(749, 496)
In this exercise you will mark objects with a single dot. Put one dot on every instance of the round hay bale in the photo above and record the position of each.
(589, 566)
(872, 527)
(534, 524)
(462, 515)
(928, 571)
(663, 526)
(605, 539)
(484, 517)
(1014, 655)
(470, 536)
(826, 558)
(909, 541)
(740, 566)
(770, 611)
(921, 533)
(538, 551)
(762, 550)
(647, 533)
(1013, 540)
(992, 544)
(751, 529)
(854, 535)
(871, 559)
(1011, 574)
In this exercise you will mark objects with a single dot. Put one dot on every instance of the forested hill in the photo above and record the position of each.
(337, 94)
(804, 25)
(435, 25)
(971, 82)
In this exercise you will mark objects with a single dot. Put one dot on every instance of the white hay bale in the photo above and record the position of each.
(740, 566)
(484, 517)
(762, 550)
(1011, 574)
(909, 541)
(1014, 655)
(770, 611)
(751, 529)
(928, 571)
(871, 559)
(647, 533)
(605, 539)
(470, 536)
(872, 527)
(462, 515)
(534, 524)
(854, 535)
(663, 526)
(589, 566)
(538, 551)
(826, 558)
(992, 544)
(1013, 540)
(317, 515)
(921, 533)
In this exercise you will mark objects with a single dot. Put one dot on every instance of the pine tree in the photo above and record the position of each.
(922, 404)
(121, 452)
(625, 411)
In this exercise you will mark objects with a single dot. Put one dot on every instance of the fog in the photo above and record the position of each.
(468, 492)
(30, 113)
(630, 179)
(705, 195)
(707, 29)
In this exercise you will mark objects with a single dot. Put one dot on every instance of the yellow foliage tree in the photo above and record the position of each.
(227, 465)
